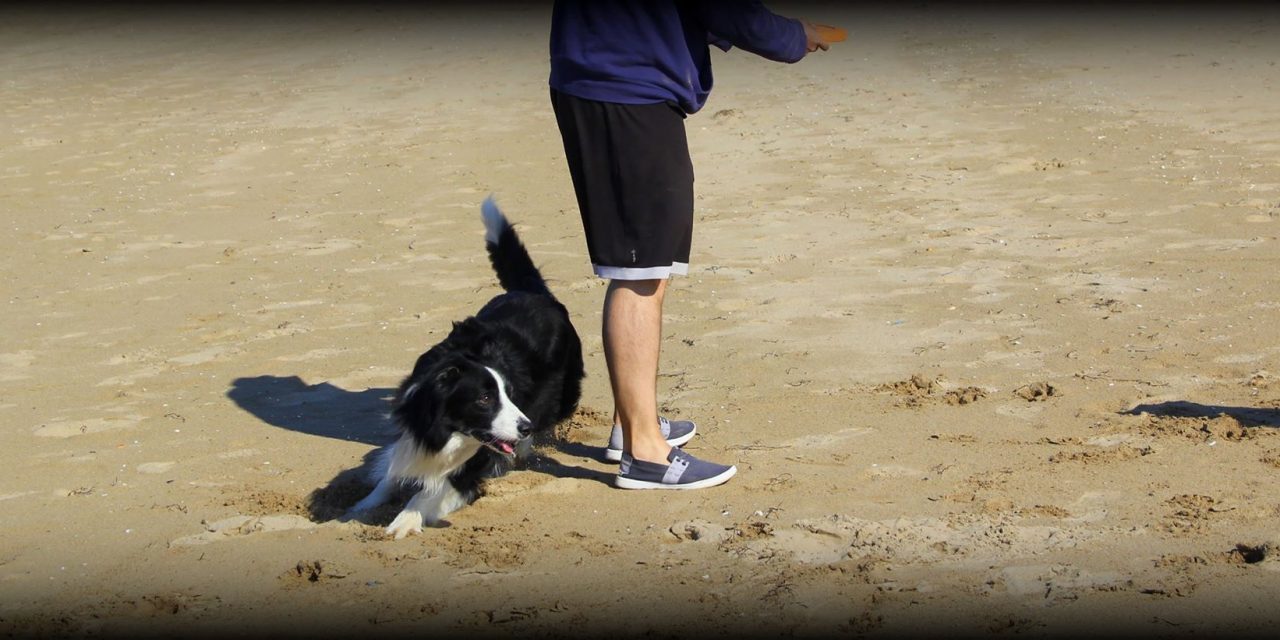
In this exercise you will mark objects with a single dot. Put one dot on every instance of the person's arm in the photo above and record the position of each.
(751, 26)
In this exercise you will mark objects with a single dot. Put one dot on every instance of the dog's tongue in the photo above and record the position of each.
(501, 446)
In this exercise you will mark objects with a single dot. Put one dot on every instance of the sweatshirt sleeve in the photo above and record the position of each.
(751, 26)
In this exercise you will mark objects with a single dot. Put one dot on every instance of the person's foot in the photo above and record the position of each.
(683, 471)
(676, 434)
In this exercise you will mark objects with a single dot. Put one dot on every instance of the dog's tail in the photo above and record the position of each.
(515, 269)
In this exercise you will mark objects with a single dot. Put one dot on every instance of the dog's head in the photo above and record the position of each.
(457, 395)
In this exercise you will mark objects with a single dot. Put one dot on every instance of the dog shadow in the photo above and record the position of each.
(325, 410)
(1248, 417)
(317, 409)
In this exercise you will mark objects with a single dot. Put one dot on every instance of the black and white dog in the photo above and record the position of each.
(473, 400)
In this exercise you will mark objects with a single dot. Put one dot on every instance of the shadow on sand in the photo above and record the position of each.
(1248, 417)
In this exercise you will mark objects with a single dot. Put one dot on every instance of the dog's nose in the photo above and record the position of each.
(524, 427)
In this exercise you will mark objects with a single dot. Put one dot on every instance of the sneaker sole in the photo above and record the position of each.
(615, 455)
(627, 483)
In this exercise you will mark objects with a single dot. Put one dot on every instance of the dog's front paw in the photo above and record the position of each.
(409, 521)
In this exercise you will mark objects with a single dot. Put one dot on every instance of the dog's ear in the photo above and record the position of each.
(415, 399)
(448, 374)
(418, 408)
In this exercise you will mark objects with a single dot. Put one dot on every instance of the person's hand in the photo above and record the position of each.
(814, 39)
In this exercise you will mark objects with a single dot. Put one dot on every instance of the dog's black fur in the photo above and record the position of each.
(526, 337)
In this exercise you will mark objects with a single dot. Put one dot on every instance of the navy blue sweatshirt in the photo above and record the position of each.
(649, 51)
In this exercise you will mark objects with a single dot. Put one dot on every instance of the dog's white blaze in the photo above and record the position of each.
(506, 423)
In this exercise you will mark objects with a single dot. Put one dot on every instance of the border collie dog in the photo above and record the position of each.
(473, 400)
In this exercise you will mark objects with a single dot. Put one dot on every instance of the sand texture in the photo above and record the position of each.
(983, 304)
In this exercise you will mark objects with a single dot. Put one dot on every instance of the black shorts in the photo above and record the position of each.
(634, 181)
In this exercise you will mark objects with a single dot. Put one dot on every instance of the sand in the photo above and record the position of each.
(982, 304)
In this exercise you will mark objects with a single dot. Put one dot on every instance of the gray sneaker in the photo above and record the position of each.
(684, 472)
(676, 433)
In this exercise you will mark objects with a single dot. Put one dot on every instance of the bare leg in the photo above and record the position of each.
(632, 340)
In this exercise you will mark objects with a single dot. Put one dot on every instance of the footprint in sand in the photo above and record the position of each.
(208, 355)
(891, 471)
(1052, 582)
(1092, 506)
(240, 526)
(69, 428)
(14, 366)
(132, 377)
(155, 468)
(1020, 411)
(239, 453)
(314, 354)
(916, 540)
(819, 440)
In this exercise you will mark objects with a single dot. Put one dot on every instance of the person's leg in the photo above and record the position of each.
(633, 179)
(632, 332)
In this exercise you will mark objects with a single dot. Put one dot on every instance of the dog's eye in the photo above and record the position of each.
(484, 400)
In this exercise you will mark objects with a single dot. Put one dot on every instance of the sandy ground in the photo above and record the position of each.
(983, 305)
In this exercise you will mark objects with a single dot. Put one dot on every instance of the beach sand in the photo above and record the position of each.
(983, 305)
